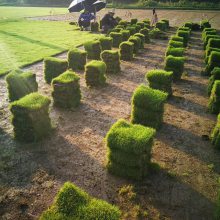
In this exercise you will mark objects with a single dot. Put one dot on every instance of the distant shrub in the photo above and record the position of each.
(141, 23)
(134, 21)
(66, 90)
(137, 43)
(53, 67)
(112, 61)
(213, 62)
(94, 27)
(31, 119)
(205, 24)
(157, 34)
(214, 100)
(145, 32)
(148, 106)
(95, 73)
(142, 38)
(215, 75)
(106, 43)
(20, 84)
(176, 44)
(132, 29)
(161, 80)
(126, 50)
(176, 65)
(215, 139)
(161, 25)
(125, 35)
(185, 35)
(93, 49)
(176, 52)
(73, 203)
(77, 59)
(117, 38)
(129, 149)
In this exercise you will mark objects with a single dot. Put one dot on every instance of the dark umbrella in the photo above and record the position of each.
(96, 6)
(79, 5)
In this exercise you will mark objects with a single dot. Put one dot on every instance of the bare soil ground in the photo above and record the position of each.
(176, 17)
(185, 186)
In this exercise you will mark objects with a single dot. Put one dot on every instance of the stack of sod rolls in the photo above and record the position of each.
(126, 50)
(185, 33)
(213, 61)
(215, 75)
(125, 35)
(145, 32)
(20, 83)
(53, 67)
(142, 38)
(214, 100)
(95, 73)
(157, 34)
(106, 43)
(175, 65)
(77, 59)
(215, 135)
(93, 49)
(72, 202)
(137, 43)
(117, 38)
(132, 30)
(31, 119)
(161, 25)
(161, 80)
(66, 90)
(148, 106)
(129, 149)
(112, 61)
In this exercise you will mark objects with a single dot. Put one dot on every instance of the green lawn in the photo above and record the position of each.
(24, 42)
(21, 12)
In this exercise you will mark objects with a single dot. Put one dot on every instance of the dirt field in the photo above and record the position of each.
(176, 17)
(185, 186)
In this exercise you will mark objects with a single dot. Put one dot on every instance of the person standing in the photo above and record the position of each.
(154, 19)
(108, 21)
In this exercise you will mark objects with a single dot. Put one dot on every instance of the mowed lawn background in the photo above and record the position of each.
(24, 41)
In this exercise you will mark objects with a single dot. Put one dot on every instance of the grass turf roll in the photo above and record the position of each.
(176, 65)
(77, 59)
(66, 90)
(161, 80)
(53, 67)
(31, 119)
(112, 61)
(71, 202)
(131, 29)
(95, 73)
(134, 21)
(129, 149)
(205, 24)
(215, 135)
(125, 35)
(20, 83)
(94, 26)
(185, 35)
(145, 32)
(93, 49)
(142, 38)
(208, 37)
(126, 50)
(214, 100)
(188, 25)
(176, 52)
(215, 75)
(140, 23)
(213, 42)
(176, 44)
(148, 106)
(137, 43)
(157, 34)
(117, 38)
(213, 61)
(106, 43)
(177, 38)
(208, 52)
(161, 25)
(167, 23)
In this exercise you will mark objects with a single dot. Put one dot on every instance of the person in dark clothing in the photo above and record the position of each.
(85, 20)
(108, 21)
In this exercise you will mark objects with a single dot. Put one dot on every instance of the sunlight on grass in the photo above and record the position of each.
(24, 42)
